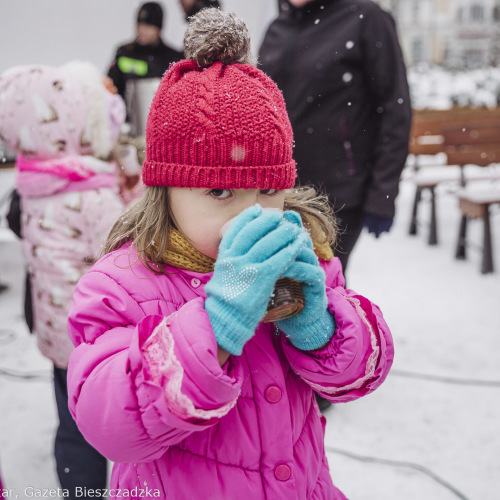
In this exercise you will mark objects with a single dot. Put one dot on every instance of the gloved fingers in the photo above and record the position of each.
(280, 237)
(277, 265)
(240, 221)
(254, 231)
(308, 274)
(377, 224)
(293, 217)
(308, 255)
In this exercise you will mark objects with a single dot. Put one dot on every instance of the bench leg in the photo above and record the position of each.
(460, 252)
(487, 264)
(433, 224)
(416, 201)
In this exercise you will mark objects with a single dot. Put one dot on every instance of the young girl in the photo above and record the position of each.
(63, 123)
(174, 377)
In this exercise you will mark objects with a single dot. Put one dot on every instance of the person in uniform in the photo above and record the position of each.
(147, 56)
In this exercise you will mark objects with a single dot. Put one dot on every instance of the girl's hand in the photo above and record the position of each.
(256, 250)
(314, 325)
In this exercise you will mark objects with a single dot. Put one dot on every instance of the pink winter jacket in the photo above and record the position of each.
(146, 389)
(64, 224)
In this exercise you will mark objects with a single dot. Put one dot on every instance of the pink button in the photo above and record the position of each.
(273, 394)
(282, 472)
(195, 282)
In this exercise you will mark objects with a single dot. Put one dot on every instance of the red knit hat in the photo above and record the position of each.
(221, 126)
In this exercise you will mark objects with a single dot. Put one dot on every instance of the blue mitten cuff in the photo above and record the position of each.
(256, 250)
(308, 336)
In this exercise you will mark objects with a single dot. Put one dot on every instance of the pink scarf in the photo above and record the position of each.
(71, 173)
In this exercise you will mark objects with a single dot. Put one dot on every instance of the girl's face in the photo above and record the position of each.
(200, 213)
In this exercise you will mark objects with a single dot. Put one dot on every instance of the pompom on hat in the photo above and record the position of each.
(216, 121)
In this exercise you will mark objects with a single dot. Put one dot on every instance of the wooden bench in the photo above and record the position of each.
(476, 205)
(467, 136)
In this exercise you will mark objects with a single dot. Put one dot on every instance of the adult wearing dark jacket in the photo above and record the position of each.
(147, 56)
(192, 7)
(340, 67)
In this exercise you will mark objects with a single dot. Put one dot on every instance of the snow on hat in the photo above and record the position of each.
(151, 13)
(48, 112)
(216, 120)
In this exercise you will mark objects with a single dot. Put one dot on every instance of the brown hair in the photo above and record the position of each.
(147, 222)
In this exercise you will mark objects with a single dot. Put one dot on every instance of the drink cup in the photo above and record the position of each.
(287, 299)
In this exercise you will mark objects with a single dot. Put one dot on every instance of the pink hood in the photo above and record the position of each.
(48, 112)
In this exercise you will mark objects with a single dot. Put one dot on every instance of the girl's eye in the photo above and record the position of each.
(269, 192)
(220, 194)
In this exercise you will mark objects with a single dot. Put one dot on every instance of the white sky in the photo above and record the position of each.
(56, 31)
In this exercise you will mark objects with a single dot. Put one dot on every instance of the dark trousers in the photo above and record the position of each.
(350, 224)
(78, 463)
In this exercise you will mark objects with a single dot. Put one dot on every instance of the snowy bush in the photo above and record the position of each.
(439, 88)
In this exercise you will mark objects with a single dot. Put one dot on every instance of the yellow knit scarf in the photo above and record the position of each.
(181, 254)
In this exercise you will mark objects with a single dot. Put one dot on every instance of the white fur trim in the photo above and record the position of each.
(167, 371)
(98, 126)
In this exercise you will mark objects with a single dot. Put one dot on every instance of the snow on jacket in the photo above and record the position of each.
(64, 224)
(147, 391)
(340, 67)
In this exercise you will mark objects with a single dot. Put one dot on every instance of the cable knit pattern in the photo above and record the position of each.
(221, 127)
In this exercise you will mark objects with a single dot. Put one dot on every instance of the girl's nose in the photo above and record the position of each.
(249, 198)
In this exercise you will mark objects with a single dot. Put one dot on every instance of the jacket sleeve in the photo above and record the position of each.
(116, 74)
(387, 83)
(358, 357)
(137, 387)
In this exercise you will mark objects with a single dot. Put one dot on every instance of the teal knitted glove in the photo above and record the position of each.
(314, 325)
(256, 250)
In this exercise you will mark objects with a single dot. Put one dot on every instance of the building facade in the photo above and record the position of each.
(461, 34)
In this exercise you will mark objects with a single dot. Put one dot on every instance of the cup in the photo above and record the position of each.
(287, 299)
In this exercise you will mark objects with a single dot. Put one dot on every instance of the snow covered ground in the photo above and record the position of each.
(415, 438)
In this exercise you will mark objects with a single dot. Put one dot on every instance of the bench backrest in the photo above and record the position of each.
(428, 125)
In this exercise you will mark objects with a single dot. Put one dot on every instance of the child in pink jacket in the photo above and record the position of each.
(177, 375)
(63, 123)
